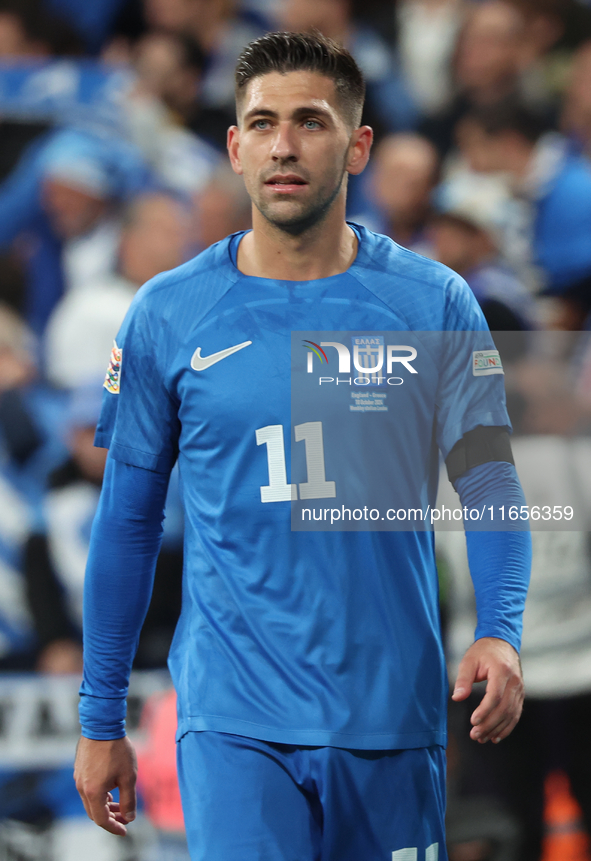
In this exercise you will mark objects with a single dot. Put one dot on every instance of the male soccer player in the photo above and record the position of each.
(308, 665)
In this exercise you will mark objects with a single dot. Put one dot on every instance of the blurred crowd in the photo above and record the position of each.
(113, 119)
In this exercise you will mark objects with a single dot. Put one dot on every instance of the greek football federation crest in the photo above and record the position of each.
(368, 357)
(113, 376)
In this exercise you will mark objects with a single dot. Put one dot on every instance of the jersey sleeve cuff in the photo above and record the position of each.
(102, 718)
(499, 632)
(102, 439)
(103, 733)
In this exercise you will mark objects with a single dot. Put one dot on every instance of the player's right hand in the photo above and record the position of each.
(100, 767)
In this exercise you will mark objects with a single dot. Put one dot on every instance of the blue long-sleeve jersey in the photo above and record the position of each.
(302, 637)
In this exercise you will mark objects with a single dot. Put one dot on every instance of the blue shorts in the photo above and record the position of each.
(250, 800)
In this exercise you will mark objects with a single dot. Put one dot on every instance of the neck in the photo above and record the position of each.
(325, 249)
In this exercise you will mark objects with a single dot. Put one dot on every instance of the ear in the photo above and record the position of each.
(359, 149)
(233, 144)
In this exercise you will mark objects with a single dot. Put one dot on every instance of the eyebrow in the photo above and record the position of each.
(304, 111)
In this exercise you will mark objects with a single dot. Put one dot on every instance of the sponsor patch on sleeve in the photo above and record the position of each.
(486, 362)
(113, 376)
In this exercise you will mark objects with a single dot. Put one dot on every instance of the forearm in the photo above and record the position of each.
(124, 547)
(500, 561)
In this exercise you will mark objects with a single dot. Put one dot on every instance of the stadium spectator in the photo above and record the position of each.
(170, 68)
(62, 200)
(30, 447)
(427, 33)
(555, 184)
(163, 112)
(489, 61)
(31, 415)
(575, 119)
(399, 188)
(81, 196)
(222, 208)
(221, 28)
(54, 560)
(554, 29)
(154, 237)
(389, 106)
(489, 51)
(55, 552)
(467, 244)
(29, 33)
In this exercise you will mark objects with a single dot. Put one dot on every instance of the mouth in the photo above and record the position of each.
(286, 183)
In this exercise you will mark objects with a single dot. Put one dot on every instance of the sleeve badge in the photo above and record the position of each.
(113, 376)
(486, 362)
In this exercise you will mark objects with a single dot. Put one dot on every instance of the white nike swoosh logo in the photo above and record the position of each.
(200, 363)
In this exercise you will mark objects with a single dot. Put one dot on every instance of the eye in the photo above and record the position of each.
(261, 124)
(311, 124)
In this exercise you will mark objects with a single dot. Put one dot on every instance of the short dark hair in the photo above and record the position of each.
(312, 52)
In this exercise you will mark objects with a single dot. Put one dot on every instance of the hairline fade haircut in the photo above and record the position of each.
(285, 52)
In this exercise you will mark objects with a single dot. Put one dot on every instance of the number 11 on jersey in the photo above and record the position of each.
(278, 490)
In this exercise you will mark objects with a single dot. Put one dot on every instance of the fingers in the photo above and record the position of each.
(116, 812)
(495, 733)
(115, 809)
(466, 678)
(99, 809)
(493, 700)
(127, 800)
(499, 711)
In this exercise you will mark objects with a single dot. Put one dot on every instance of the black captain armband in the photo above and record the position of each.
(481, 445)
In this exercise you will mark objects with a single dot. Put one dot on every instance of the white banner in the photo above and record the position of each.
(39, 716)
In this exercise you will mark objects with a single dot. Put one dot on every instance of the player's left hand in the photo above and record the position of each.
(496, 662)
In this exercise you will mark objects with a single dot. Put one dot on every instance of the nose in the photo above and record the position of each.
(285, 144)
